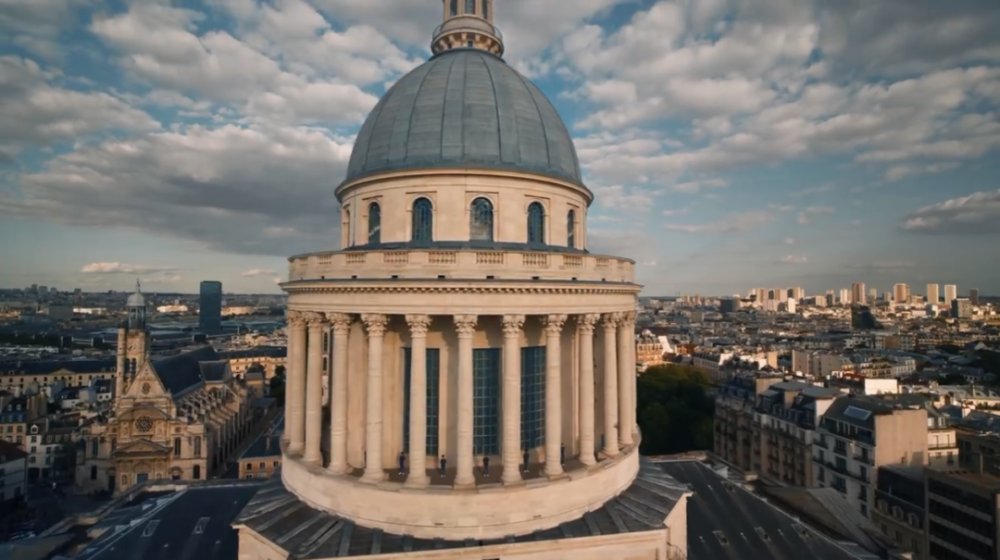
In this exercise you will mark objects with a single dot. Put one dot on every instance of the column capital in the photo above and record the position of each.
(418, 324)
(628, 317)
(296, 319)
(375, 323)
(609, 320)
(341, 322)
(553, 323)
(465, 324)
(314, 320)
(587, 322)
(512, 325)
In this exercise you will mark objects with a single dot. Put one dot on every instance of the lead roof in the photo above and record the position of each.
(465, 108)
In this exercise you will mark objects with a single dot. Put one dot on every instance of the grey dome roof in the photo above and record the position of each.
(465, 108)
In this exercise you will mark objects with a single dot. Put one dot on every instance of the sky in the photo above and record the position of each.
(730, 143)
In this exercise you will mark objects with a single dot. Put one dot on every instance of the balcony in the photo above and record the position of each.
(866, 459)
(459, 264)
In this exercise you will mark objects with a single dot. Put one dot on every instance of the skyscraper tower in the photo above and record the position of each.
(950, 293)
(974, 296)
(933, 297)
(858, 293)
(210, 307)
(901, 293)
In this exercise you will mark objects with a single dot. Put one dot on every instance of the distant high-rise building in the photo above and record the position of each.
(862, 318)
(210, 307)
(974, 296)
(961, 308)
(728, 305)
(829, 298)
(873, 294)
(950, 293)
(933, 297)
(845, 297)
(798, 293)
(858, 293)
(901, 293)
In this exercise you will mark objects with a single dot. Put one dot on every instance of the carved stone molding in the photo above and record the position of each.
(553, 324)
(418, 324)
(341, 322)
(513, 325)
(611, 320)
(586, 323)
(628, 317)
(315, 320)
(465, 324)
(296, 319)
(375, 323)
(324, 287)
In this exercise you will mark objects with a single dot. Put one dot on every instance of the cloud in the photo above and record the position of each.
(693, 187)
(812, 190)
(975, 214)
(122, 268)
(789, 241)
(731, 224)
(253, 273)
(804, 216)
(793, 259)
(624, 199)
(897, 172)
(233, 189)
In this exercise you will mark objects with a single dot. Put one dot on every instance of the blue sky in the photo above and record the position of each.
(730, 143)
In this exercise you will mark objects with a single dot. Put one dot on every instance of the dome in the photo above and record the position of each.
(136, 299)
(465, 108)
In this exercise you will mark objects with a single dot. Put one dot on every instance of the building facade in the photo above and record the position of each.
(482, 380)
(899, 510)
(786, 416)
(738, 437)
(963, 513)
(210, 306)
(177, 418)
(13, 476)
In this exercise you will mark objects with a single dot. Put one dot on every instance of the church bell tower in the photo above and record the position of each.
(133, 341)
(468, 24)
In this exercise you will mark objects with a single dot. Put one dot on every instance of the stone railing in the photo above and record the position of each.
(465, 264)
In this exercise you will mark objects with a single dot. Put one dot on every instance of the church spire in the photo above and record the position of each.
(468, 24)
(136, 308)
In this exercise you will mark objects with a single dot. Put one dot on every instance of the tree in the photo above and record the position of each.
(276, 388)
(674, 409)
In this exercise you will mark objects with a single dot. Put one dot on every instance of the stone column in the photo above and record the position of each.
(626, 373)
(338, 392)
(296, 395)
(418, 400)
(314, 388)
(466, 327)
(553, 394)
(609, 322)
(374, 471)
(585, 325)
(510, 410)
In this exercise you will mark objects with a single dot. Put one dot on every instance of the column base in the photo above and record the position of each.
(338, 471)
(296, 448)
(412, 482)
(609, 454)
(373, 478)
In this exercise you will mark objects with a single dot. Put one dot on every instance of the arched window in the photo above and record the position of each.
(196, 475)
(536, 223)
(470, 7)
(374, 223)
(571, 229)
(486, 9)
(481, 220)
(454, 7)
(423, 220)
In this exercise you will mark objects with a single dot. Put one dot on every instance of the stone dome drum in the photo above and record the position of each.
(465, 108)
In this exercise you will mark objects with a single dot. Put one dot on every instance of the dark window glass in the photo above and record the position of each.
(532, 396)
(423, 220)
(571, 229)
(454, 7)
(536, 223)
(481, 220)
(433, 367)
(177, 447)
(486, 400)
(470, 6)
(374, 223)
(197, 472)
(486, 9)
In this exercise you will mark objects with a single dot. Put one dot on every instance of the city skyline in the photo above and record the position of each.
(723, 158)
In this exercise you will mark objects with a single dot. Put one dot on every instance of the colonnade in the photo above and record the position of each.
(304, 404)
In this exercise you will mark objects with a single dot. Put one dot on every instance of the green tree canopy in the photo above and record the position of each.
(674, 409)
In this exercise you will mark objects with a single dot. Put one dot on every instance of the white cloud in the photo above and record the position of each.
(793, 259)
(255, 272)
(692, 187)
(122, 268)
(731, 224)
(805, 216)
(624, 199)
(975, 214)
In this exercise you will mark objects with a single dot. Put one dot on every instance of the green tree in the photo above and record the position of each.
(674, 409)
(276, 388)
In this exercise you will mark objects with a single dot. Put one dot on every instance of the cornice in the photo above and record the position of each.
(322, 287)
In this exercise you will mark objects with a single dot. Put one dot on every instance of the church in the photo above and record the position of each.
(178, 418)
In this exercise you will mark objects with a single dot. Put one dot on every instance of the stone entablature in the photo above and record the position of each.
(461, 264)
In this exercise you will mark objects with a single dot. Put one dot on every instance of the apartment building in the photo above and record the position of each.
(13, 475)
(649, 350)
(859, 434)
(786, 416)
(899, 507)
(963, 512)
(978, 451)
(817, 364)
(737, 438)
